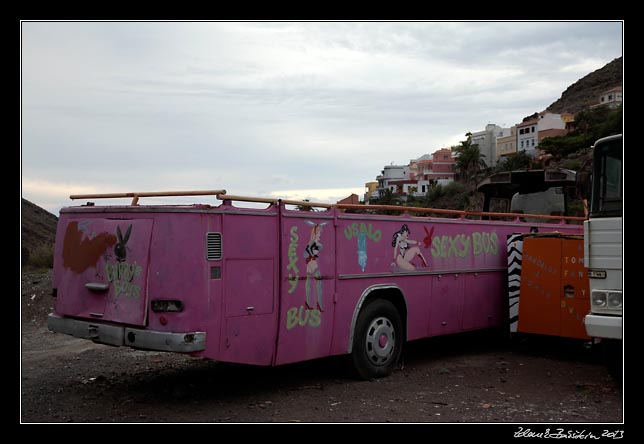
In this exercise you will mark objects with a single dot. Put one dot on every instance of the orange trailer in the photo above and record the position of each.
(548, 287)
(555, 294)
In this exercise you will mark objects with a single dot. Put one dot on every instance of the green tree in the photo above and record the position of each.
(386, 197)
(433, 194)
(519, 161)
(614, 124)
(561, 146)
(591, 124)
(469, 161)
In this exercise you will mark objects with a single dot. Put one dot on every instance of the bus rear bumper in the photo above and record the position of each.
(186, 342)
(600, 326)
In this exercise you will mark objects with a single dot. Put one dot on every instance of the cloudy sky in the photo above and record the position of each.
(286, 109)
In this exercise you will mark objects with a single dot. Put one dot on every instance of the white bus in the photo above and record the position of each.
(603, 252)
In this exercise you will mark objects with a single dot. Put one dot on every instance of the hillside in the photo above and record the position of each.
(38, 230)
(587, 89)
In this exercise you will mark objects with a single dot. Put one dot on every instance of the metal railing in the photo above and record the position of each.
(227, 198)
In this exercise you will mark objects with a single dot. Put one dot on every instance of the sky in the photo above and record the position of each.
(296, 110)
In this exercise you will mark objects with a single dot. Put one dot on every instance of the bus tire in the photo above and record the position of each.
(377, 340)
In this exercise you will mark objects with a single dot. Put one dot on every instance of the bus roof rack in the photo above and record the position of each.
(137, 194)
(223, 196)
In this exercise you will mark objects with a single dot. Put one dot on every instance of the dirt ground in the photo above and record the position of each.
(467, 378)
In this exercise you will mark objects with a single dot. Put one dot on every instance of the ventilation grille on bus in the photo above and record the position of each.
(213, 246)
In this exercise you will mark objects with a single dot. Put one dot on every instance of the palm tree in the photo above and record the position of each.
(469, 160)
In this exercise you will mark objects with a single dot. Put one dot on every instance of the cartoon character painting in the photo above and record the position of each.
(120, 249)
(362, 251)
(312, 268)
(406, 250)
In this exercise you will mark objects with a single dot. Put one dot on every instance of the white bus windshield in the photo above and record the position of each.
(607, 182)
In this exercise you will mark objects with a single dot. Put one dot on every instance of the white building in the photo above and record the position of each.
(611, 98)
(416, 178)
(506, 145)
(392, 173)
(532, 130)
(527, 137)
(486, 141)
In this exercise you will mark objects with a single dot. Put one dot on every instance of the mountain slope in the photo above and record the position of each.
(587, 89)
(38, 228)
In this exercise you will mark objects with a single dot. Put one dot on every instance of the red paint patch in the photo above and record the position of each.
(79, 254)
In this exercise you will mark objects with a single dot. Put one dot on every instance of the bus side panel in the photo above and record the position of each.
(446, 312)
(451, 273)
(178, 271)
(214, 305)
(484, 302)
(417, 291)
(307, 286)
(248, 288)
(408, 246)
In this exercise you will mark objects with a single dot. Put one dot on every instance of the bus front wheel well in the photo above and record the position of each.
(391, 293)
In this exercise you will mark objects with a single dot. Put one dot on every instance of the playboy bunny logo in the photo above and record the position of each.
(120, 249)
(427, 240)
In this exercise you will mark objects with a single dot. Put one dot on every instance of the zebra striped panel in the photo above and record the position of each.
(515, 254)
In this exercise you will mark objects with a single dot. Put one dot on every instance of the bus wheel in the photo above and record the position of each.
(377, 340)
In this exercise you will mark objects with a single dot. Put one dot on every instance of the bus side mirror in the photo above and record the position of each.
(584, 184)
(584, 179)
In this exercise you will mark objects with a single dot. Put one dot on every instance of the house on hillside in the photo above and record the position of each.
(390, 177)
(506, 145)
(611, 98)
(534, 129)
(371, 192)
(442, 167)
(486, 141)
(569, 121)
(527, 136)
(352, 199)
(417, 177)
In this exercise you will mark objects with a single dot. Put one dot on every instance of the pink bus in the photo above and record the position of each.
(273, 285)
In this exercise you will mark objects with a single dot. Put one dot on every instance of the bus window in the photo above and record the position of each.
(607, 191)
(548, 202)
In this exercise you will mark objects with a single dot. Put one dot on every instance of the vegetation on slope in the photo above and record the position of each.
(38, 233)
(586, 90)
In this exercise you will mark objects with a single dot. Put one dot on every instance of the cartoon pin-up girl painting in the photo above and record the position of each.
(312, 269)
(404, 252)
